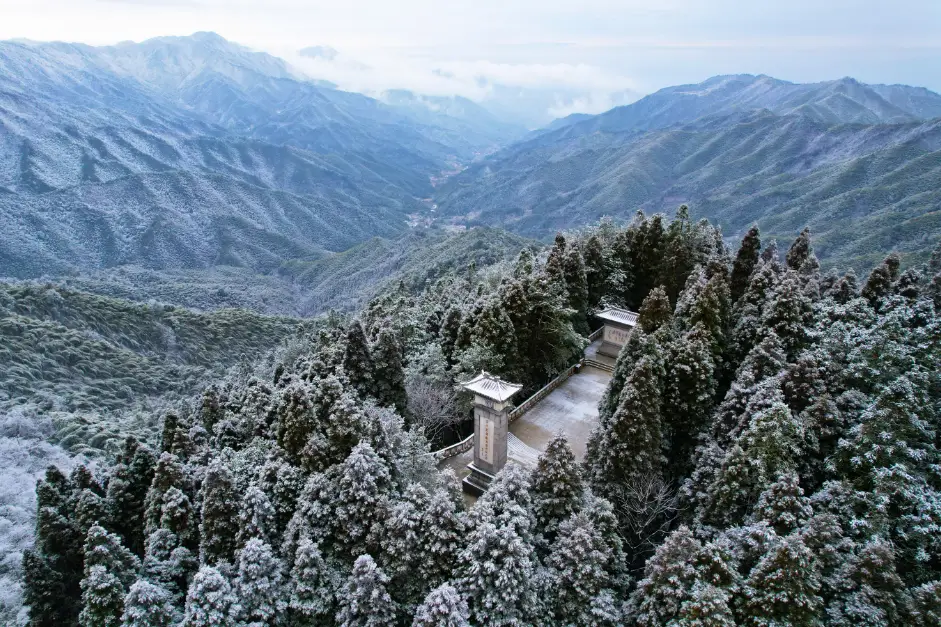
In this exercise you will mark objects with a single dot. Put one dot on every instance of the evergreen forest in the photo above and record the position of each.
(768, 453)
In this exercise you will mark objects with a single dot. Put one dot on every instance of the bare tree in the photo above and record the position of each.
(431, 407)
(645, 507)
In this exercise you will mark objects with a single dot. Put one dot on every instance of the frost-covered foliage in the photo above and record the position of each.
(768, 459)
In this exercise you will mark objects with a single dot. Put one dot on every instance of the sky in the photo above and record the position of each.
(591, 54)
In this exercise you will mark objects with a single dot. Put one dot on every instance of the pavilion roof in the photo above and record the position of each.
(492, 387)
(619, 316)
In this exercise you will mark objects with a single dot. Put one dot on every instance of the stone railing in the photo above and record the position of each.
(467, 443)
(531, 402)
(455, 449)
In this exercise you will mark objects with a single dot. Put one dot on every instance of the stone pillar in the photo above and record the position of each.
(491, 428)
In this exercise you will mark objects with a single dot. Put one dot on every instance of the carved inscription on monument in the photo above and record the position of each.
(485, 441)
(615, 335)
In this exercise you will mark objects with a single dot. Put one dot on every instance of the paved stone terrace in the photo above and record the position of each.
(572, 409)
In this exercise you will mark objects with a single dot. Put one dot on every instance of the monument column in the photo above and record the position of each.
(491, 426)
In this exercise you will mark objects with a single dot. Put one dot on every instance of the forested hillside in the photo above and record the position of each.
(767, 455)
(69, 350)
(838, 157)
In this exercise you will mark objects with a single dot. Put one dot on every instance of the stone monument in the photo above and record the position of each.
(618, 324)
(490, 429)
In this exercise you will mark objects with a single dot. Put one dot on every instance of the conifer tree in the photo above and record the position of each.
(578, 571)
(256, 518)
(313, 587)
(689, 394)
(209, 600)
(167, 474)
(171, 424)
(595, 270)
(557, 488)
(555, 264)
(707, 606)
(789, 315)
(656, 310)
(680, 253)
(102, 599)
(167, 563)
(449, 331)
(259, 597)
(109, 571)
(219, 527)
(765, 450)
(746, 260)
(879, 284)
(148, 605)
(388, 371)
(177, 516)
(576, 284)
(668, 577)
(127, 489)
(783, 588)
(443, 607)
(499, 578)
(357, 360)
(801, 257)
(631, 445)
(783, 505)
(361, 500)
(638, 345)
(926, 604)
(871, 592)
(364, 600)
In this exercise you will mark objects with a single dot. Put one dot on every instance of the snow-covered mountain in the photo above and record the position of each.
(189, 151)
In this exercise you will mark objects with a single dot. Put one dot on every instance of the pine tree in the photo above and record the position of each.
(259, 597)
(102, 599)
(668, 577)
(631, 446)
(361, 500)
(449, 331)
(872, 592)
(557, 488)
(167, 563)
(789, 314)
(764, 451)
(209, 600)
(707, 606)
(52, 568)
(219, 527)
(357, 360)
(783, 588)
(256, 518)
(576, 284)
(109, 571)
(364, 601)
(168, 474)
(636, 346)
(127, 489)
(595, 270)
(926, 604)
(313, 587)
(177, 516)
(846, 288)
(388, 372)
(783, 505)
(656, 310)
(879, 284)
(555, 264)
(499, 577)
(443, 607)
(801, 257)
(148, 605)
(746, 260)
(689, 394)
(577, 571)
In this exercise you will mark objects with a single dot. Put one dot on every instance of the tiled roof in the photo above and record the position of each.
(491, 387)
(616, 314)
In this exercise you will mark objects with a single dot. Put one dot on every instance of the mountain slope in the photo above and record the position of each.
(864, 189)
